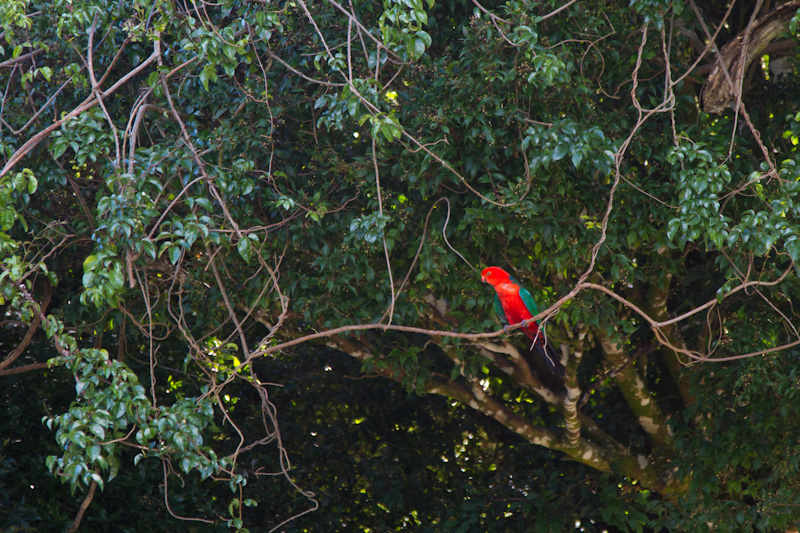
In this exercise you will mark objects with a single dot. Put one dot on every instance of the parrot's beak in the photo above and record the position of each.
(483, 279)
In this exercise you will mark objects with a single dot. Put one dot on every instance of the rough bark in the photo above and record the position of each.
(656, 307)
(572, 420)
(519, 371)
(638, 396)
(26, 340)
(582, 440)
(724, 84)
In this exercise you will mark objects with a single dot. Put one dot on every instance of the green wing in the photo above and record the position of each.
(527, 299)
(498, 308)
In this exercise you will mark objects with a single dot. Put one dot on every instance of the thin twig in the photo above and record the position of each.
(76, 523)
(90, 102)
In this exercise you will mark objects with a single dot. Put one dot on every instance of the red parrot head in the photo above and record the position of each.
(494, 276)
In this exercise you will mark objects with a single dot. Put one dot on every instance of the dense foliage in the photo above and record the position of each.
(220, 221)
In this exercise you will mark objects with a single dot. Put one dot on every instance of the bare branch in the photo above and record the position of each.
(90, 102)
(84, 505)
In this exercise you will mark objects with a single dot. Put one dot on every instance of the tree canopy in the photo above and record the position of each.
(240, 255)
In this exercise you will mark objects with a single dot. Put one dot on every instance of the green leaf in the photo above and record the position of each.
(97, 479)
(425, 38)
(229, 51)
(352, 106)
(419, 48)
(188, 463)
(115, 277)
(7, 217)
(90, 262)
(560, 151)
(93, 452)
(244, 249)
(174, 254)
(98, 430)
(78, 437)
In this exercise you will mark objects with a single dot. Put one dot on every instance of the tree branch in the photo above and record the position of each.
(638, 396)
(90, 102)
(26, 340)
(84, 505)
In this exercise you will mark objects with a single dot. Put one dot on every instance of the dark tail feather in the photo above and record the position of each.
(549, 355)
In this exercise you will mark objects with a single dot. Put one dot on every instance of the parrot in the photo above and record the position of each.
(513, 304)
